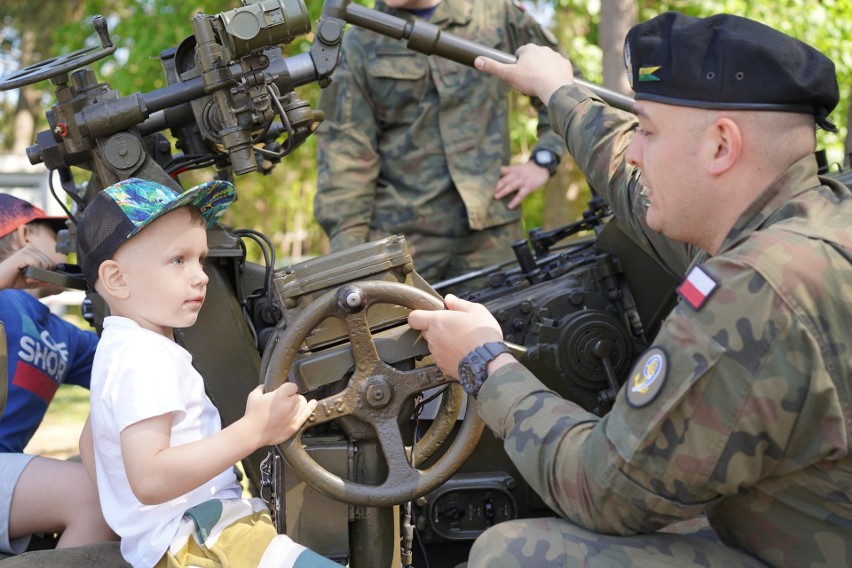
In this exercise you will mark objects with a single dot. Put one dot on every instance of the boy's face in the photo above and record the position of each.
(163, 269)
(43, 237)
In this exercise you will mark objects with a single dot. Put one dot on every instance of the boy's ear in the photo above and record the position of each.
(111, 279)
(22, 235)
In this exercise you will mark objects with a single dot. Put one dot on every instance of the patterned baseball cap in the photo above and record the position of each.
(125, 208)
(15, 212)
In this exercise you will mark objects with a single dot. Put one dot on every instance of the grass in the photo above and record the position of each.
(70, 404)
(59, 433)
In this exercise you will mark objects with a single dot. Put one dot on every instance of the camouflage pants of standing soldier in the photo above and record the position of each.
(441, 258)
(552, 543)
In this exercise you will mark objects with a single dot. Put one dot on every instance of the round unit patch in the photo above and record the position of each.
(649, 376)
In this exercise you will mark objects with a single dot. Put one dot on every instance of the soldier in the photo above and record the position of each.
(742, 407)
(419, 145)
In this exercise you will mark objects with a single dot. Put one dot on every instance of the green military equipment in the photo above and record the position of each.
(578, 311)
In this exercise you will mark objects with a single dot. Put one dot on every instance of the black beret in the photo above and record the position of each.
(728, 62)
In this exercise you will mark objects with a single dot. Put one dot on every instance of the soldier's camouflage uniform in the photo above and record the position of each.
(753, 421)
(413, 144)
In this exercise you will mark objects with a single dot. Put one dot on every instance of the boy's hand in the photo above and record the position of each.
(275, 416)
(11, 269)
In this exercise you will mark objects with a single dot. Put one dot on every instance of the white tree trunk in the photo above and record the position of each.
(617, 17)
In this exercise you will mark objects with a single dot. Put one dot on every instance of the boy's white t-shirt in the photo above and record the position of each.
(139, 374)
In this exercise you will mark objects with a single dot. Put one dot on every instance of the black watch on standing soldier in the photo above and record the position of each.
(546, 159)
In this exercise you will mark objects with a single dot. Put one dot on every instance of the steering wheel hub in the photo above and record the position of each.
(378, 393)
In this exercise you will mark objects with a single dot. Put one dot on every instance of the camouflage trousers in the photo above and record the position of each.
(442, 258)
(557, 543)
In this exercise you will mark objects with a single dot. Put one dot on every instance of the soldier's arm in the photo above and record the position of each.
(597, 136)
(705, 419)
(347, 156)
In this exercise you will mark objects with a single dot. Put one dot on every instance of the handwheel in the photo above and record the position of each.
(376, 394)
(56, 66)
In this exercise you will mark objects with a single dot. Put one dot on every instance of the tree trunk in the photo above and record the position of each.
(847, 148)
(617, 17)
(28, 100)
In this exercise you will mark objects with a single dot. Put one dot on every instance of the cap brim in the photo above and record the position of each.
(58, 223)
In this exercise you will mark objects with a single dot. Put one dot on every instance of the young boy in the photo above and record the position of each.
(164, 465)
(39, 494)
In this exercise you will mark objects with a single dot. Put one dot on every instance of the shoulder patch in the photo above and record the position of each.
(648, 378)
(697, 287)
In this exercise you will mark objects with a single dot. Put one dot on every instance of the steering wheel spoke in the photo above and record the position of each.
(394, 450)
(409, 383)
(331, 408)
(361, 341)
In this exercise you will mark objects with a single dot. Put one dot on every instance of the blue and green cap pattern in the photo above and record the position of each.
(143, 201)
(126, 207)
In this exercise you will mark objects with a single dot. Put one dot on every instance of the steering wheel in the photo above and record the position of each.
(376, 394)
(59, 65)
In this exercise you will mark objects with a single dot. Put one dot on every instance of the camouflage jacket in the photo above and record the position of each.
(752, 416)
(411, 143)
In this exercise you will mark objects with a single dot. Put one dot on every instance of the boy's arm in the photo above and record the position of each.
(158, 472)
(11, 268)
(87, 450)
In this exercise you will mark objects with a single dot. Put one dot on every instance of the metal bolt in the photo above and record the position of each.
(353, 299)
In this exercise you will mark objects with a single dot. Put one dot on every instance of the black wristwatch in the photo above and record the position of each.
(473, 369)
(546, 159)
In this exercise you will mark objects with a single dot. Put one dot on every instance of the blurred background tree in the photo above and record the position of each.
(281, 204)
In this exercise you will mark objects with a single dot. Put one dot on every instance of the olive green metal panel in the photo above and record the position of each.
(388, 260)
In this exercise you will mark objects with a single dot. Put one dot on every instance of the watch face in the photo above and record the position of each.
(543, 157)
(466, 377)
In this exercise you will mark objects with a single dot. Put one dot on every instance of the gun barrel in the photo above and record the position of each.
(428, 39)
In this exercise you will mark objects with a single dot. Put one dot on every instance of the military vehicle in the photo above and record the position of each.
(393, 468)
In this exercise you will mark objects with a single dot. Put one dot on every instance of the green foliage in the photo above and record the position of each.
(280, 204)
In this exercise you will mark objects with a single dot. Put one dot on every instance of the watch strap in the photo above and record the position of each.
(473, 369)
(550, 165)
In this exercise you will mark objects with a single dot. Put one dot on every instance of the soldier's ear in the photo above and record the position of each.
(727, 145)
(112, 281)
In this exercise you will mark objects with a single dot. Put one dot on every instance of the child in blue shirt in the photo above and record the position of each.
(39, 494)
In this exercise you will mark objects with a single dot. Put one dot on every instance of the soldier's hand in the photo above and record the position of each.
(540, 71)
(456, 331)
(520, 179)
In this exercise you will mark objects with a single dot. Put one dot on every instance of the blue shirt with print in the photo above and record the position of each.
(44, 351)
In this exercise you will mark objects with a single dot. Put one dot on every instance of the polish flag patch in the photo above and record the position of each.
(697, 287)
